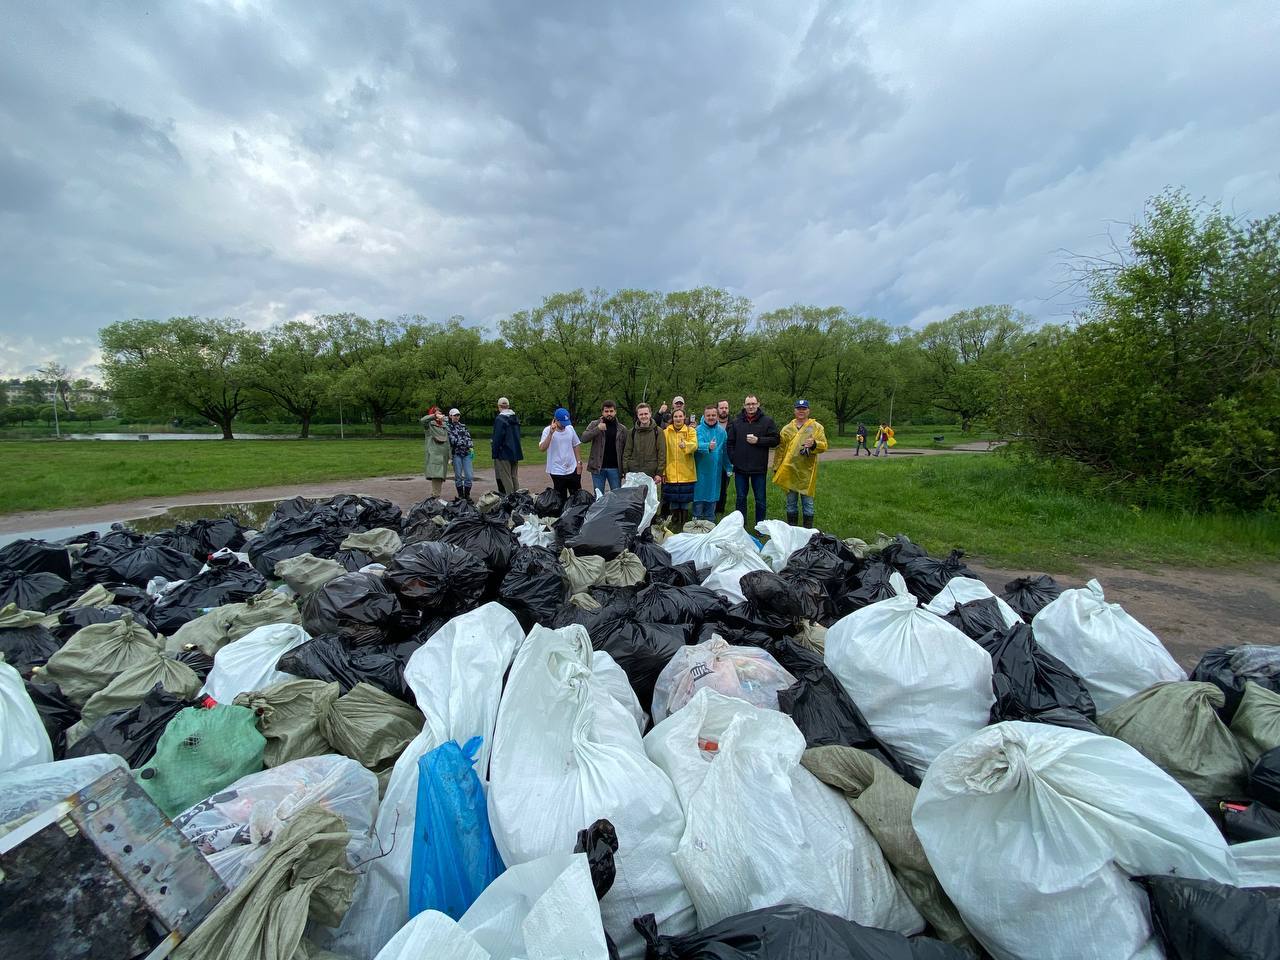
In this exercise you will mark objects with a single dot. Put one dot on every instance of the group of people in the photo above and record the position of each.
(691, 457)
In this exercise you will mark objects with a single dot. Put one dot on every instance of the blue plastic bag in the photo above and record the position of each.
(454, 856)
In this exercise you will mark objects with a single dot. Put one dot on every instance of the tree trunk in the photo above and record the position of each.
(840, 427)
(304, 432)
(226, 431)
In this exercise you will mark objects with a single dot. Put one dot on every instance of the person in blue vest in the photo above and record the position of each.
(710, 462)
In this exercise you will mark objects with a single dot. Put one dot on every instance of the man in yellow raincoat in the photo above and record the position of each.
(795, 464)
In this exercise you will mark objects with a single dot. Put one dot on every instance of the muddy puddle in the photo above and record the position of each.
(251, 515)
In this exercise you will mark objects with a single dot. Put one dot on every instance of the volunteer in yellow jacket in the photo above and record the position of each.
(795, 464)
(682, 471)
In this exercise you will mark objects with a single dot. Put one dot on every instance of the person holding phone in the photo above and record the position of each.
(436, 461)
(560, 443)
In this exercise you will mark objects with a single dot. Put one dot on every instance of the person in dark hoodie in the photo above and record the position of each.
(752, 435)
(505, 447)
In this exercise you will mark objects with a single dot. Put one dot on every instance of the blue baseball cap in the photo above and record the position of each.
(802, 404)
(563, 416)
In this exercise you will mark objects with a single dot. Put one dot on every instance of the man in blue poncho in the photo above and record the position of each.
(711, 461)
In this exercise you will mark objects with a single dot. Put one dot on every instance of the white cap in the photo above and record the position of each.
(504, 402)
(678, 400)
(454, 410)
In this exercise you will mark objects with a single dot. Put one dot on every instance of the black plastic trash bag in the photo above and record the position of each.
(535, 587)
(926, 576)
(1032, 684)
(1029, 595)
(873, 586)
(355, 513)
(328, 658)
(642, 650)
(357, 607)
(823, 709)
(36, 556)
(777, 603)
(1207, 920)
(1264, 779)
(353, 559)
(77, 618)
(790, 931)
(1229, 667)
(233, 583)
(548, 503)
(25, 648)
(57, 713)
(32, 591)
(610, 525)
(137, 566)
(658, 563)
(195, 658)
(1243, 822)
(215, 534)
(659, 603)
(133, 734)
(976, 618)
(437, 577)
(182, 542)
(292, 509)
(487, 539)
(827, 561)
(600, 842)
(291, 538)
(899, 550)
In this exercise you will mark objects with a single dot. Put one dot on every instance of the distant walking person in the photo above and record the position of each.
(608, 441)
(862, 441)
(505, 447)
(796, 463)
(463, 450)
(883, 436)
(436, 463)
(752, 434)
(709, 460)
(682, 471)
(646, 446)
(560, 442)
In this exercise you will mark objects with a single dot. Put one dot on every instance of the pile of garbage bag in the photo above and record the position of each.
(540, 726)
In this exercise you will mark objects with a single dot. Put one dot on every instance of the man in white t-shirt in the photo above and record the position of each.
(560, 443)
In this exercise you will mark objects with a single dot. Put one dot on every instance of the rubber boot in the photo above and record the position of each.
(808, 523)
(792, 518)
(466, 492)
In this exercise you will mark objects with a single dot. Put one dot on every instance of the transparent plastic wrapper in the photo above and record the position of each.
(1035, 831)
(920, 682)
(249, 663)
(26, 791)
(23, 738)
(541, 910)
(744, 673)
(1113, 653)
(759, 828)
(735, 562)
(702, 548)
(234, 826)
(784, 540)
(565, 756)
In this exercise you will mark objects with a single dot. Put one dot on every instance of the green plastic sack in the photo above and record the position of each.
(883, 801)
(380, 543)
(698, 526)
(812, 636)
(1176, 726)
(584, 601)
(583, 572)
(288, 715)
(624, 570)
(129, 687)
(96, 655)
(12, 618)
(1256, 724)
(489, 502)
(305, 574)
(199, 753)
(220, 626)
(371, 726)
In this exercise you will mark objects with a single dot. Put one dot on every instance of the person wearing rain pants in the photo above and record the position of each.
(436, 462)
(795, 464)
(710, 462)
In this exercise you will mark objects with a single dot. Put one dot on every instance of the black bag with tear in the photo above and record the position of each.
(1243, 822)
(77, 618)
(976, 618)
(1207, 920)
(57, 713)
(610, 525)
(659, 603)
(1029, 595)
(328, 658)
(873, 586)
(600, 842)
(290, 538)
(1230, 667)
(134, 733)
(32, 591)
(927, 576)
(25, 648)
(823, 709)
(1264, 779)
(36, 556)
(789, 931)
(487, 539)
(642, 650)
(357, 607)
(535, 587)
(232, 583)
(1032, 684)
(548, 503)
(437, 577)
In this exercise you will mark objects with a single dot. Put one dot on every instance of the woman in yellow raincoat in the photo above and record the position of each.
(682, 471)
(795, 463)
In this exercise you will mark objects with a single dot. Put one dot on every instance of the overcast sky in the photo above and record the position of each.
(277, 160)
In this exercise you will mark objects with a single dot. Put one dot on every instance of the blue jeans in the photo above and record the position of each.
(804, 500)
(704, 510)
(462, 474)
(608, 476)
(756, 480)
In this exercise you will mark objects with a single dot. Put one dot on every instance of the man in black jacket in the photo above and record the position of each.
(752, 434)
